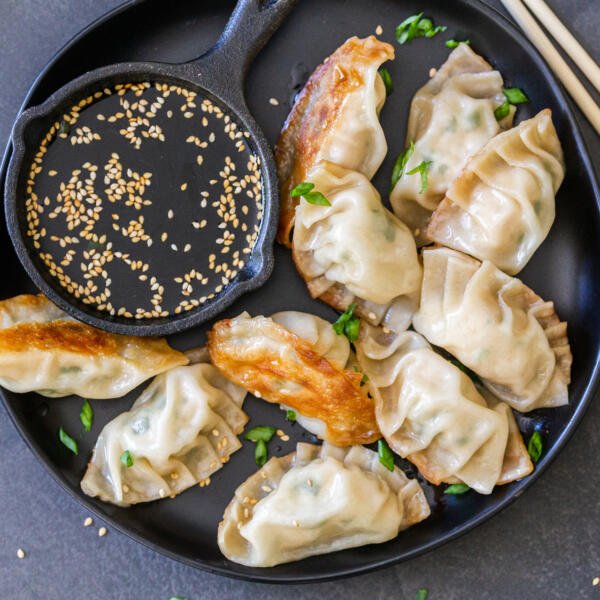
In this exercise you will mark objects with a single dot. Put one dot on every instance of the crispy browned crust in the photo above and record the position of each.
(315, 112)
(323, 392)
(78, 338)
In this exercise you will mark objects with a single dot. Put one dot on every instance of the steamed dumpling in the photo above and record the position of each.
(501, 207)
(181, 430)
(497, 327)
(317, 500)
(431, 413)
(335, 118)
(43, 350)
(517, 462)
(296, 359)
(356, 251)
(451, 117)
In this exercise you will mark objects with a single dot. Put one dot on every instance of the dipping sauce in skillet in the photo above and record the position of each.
(144, 200)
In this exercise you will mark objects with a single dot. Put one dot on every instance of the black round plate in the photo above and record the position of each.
(566, 269)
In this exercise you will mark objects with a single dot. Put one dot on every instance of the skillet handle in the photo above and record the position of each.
(249, 28)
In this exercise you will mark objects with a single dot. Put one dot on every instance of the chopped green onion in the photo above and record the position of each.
(352, 328)
(422, 594)
(535, 446)
(127, 459)
(456, 489)
(68, 441)
(423, 169)
(364, 379)
(387, 80)
(261, 433)
(400, 164)
(408, 29)
(386, 456)
(416, 26)
(347, 324)
(304, 189)
(86, 416)
(177, 598)
(290, 415)
(261, 453)
(316, 198)
(515, 95)
(454, 43)
(502, 110)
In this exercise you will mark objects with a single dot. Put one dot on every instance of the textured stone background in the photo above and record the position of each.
(545, 545)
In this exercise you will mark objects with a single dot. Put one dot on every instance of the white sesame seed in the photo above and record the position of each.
(21, 553)
(596, 581)
(266, 488)
(378, 30)
(257, 394)
(88, 521)
(274, 101)
(432, 71)
(102, 531)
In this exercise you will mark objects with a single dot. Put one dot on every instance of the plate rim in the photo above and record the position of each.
(590, 388)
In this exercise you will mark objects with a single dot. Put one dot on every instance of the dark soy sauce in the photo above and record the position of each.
(144, 200)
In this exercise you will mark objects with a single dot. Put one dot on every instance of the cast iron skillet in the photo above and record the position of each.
(218, 74)
(565, 269)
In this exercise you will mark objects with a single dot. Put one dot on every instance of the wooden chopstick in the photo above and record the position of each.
(563, 36)
(556, 62)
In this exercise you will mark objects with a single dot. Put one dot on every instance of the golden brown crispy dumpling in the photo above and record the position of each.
(335, 118)
(297, 360)
(43, 350)
(316, 500)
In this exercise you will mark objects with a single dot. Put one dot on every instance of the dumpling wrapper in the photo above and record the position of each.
(517, 462)
(181, 430)
(451, 117)
(356, 251)
(496, 326)
(431, 413)
(502, 205)
(317, 500)
(43, 350)
(335, 118)
(276, 364)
